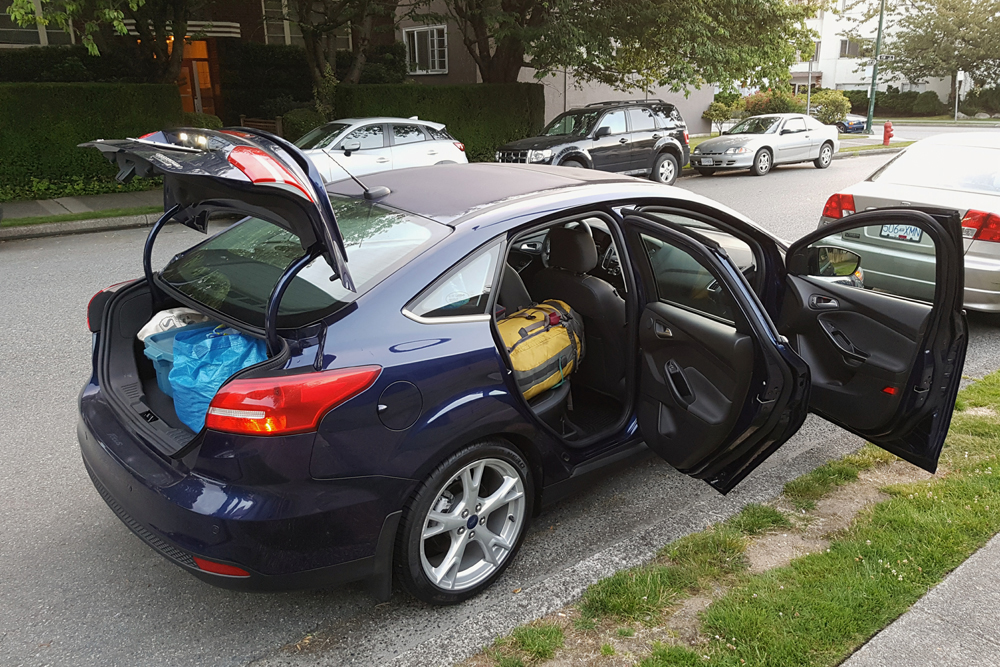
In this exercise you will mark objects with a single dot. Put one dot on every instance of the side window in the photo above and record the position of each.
(682, 280)
(641, 120)
(465, 290)
(438, 135)
(795, 125)
(406, 134)
(665, 117)
(370, 136)
(615, 121)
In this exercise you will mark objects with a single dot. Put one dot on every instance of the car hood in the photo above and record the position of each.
(538, 143)
(720, 144)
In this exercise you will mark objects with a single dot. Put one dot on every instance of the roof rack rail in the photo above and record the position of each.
(609, 102)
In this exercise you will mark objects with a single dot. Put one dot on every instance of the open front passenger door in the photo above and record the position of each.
(719, 388)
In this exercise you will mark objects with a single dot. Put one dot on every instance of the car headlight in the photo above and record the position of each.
(697, 149)
(540, 156)
(737, 149)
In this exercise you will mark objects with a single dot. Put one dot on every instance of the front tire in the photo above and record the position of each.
(576, 164)
(465, 523)
(664, 169)
(761, 162)
(825, 156)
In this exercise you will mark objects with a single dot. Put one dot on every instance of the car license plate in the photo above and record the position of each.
(910, 233)
(707, 162)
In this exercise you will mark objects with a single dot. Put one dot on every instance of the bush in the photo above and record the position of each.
(984, 99)
(831, 106)
(297, 122)
(67, 64)
(858, 99)
(482, 116)
(205, 120)
(258, 80)
(928, 104)
(42, 143)
(717, 113)
(772, 101)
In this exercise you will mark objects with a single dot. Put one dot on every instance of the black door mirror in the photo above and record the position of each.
(350, 147)
(602, 131)
(787, 131)
(823, 261)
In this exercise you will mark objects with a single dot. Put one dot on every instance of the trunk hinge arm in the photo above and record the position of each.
(147, 257)
(273, 301)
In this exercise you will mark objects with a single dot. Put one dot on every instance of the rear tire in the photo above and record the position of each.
(664, 169)
(825, 156)
(761, 162)
(460, 530)
(576, 164)
(841, 128)
(705, 172)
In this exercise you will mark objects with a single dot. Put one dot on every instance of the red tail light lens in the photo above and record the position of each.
(285, 405)
(981, 226)
(220, 568)
(95, 307)
(459, 145)
(839, 206)
(262, 169)
(687, 138)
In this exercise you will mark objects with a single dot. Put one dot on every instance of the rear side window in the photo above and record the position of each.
(439, 135)
(465, 290)
(667, 116)
(235, 271)
(406, 134)
(641, 120)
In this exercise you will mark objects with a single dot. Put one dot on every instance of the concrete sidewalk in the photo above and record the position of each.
(956, 624)
(85, 204)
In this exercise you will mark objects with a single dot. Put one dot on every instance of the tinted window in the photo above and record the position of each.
(682, 280)
(322, 136)
(370, 136)
(406, 134)
(614, 120)
(641, 120)
(464, 290)
(665, 117)
(235, 271)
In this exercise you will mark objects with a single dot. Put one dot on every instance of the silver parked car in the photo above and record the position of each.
(956, 172)
(760, 142)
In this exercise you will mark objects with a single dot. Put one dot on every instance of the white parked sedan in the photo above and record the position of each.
(760, 142)
(367, 145)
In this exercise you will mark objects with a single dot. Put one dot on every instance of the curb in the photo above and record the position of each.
(76, 227)
(874, 151)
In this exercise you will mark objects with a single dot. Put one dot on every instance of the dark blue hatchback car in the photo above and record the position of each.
(385, 436)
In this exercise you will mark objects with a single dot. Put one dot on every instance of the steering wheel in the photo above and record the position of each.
(546, 244)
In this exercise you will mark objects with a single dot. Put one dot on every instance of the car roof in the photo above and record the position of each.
(389, 119)
(973, 139)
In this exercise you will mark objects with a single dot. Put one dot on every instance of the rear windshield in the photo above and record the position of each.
(964, 168)
(235, 271)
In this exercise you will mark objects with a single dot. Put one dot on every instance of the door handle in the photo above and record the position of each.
(623, 140)
(382, 160)
(843, 343)
(661, 330)
(432, 152)
(820, 302)
(679, 386)
(656, 136)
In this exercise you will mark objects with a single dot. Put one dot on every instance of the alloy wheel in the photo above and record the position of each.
(826, 154)
(473, 524)
(666, 171)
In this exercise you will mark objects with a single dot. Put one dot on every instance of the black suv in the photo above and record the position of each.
(633, 137)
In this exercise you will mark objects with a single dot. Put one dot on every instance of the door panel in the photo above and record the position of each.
(794, 145)
(642, 125)
(613, 152)
(373, 156)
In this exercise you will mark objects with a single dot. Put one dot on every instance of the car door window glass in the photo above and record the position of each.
(682, 280)
(895, 259)
(406, 134)
(370, 136)
(463, 291)
(439, 135)
(615, 121)
(664, 118)
(641, 120)
(795, 125)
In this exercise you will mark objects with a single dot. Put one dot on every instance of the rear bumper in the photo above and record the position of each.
(285, 535)
(982, 283)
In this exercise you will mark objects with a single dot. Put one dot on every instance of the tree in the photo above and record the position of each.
(718, 113)
(936, 38)
(636, 43)
(831, 106)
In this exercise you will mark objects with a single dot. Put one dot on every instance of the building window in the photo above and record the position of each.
(426, 50)
(849, 49)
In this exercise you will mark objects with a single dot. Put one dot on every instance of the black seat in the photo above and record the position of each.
(572, 254)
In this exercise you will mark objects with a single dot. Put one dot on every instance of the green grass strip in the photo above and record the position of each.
(90, 215)
(873, 147)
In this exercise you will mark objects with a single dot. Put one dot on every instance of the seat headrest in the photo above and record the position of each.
(572, 249)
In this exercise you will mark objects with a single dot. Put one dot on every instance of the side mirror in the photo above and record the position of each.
(602, 131)
(786, 131)
(823, 261)
(350, 147)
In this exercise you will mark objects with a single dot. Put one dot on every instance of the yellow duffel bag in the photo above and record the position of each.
(545, 344)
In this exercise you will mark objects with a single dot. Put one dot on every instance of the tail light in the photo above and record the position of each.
(687, 138)
(220, 568)
(839, 206)
(459, 145)
(981, 226)
(285, 405)
(95, 307)
(262, 169)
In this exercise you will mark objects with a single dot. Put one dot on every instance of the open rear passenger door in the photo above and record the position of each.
(719, 388)
(885, 341)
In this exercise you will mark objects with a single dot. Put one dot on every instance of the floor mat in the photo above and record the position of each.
(593, 412)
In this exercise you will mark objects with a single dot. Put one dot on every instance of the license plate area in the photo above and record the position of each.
(910, 233)
(707, 162)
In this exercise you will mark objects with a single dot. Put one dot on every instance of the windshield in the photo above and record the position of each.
(756, 125)
(235, 271)
(573, 123)
(322, 136)
(964, 168)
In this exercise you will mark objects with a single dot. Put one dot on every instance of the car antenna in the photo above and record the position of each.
(377, 192)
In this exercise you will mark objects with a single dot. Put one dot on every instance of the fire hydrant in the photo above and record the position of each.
(886, 132)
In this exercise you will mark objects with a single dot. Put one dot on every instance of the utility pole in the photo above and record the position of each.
(809, 88)
(958, 88)
(878, 48)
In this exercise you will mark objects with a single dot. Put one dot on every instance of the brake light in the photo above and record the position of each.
(459, 145)
(148, 135)
(220, 568)
(95, 307)
(839, 206)
(981, 226)
(687, 138)
(263, 169)
(285, 405)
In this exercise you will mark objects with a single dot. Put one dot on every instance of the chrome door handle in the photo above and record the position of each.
(382, 160)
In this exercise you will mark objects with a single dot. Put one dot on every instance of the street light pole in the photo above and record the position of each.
(809, 88)
(878, 48)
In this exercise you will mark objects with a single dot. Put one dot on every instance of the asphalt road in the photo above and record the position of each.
(76, 588)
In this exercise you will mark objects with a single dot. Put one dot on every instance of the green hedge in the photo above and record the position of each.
(261, 80)
(892, 102)
(117, 63)
(42, 123)
(482, 116)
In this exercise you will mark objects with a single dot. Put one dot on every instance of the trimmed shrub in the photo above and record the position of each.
(297, 122)
(831, 106)
(117, 63)
(928, 104)
(984, 99)
(258, 80)
(858, 99)
(205, 120)
(42, 123)
(772, 101)
(482, 116)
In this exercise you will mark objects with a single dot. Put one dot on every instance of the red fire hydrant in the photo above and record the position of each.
(886, 132)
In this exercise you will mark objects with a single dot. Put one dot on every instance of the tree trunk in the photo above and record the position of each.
(364, 38)
(504, 64)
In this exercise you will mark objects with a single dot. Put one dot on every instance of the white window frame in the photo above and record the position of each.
(438, 54)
